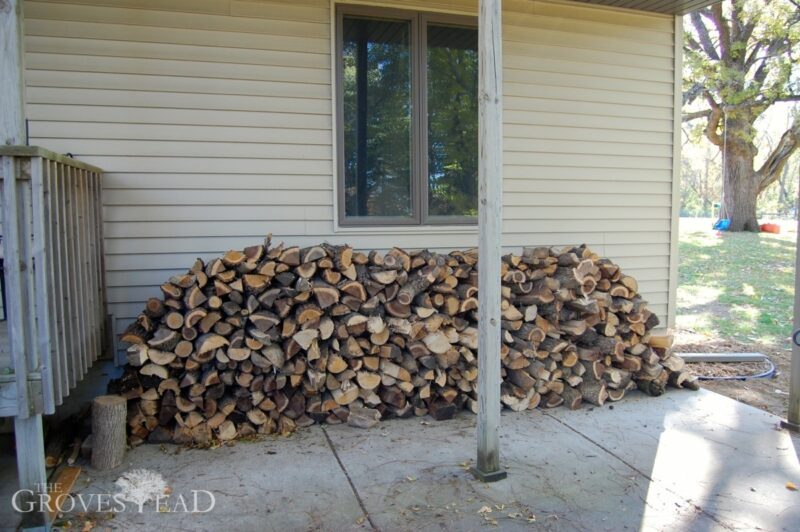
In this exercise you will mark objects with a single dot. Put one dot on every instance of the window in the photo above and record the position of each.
(408, 118)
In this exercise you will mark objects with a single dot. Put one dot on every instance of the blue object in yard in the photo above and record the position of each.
(722, 224)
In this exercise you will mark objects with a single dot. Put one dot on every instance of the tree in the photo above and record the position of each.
(700, 182)
(740, 60)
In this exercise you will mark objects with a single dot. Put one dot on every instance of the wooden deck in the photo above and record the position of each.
(52, 221)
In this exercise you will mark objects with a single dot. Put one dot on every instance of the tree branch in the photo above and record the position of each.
(723, 30)
(774, 49)
(770, 171)
(753, 57)
(703, 35)
(688, 117)
(714, 118)
(693, 45)
(692, 93)
(742, 30)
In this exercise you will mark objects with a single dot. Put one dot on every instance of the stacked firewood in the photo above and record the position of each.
(270, 338)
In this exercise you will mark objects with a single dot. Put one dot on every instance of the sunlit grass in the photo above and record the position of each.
(737, 286)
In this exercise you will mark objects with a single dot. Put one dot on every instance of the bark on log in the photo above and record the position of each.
(271, 338)
(108, 431)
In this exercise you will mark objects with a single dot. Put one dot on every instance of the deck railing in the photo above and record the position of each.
(54, 268)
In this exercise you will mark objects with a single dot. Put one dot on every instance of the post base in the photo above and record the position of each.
(794, 427)
(488, 476)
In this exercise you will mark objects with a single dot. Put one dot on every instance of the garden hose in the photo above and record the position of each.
(771, 372)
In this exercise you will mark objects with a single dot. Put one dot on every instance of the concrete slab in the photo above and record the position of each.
(277, 484)
(727, 458)
(685, 461)
(412, 476)
(92, 385)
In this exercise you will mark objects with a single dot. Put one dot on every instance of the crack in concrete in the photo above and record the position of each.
(699, 508)
(349, 480)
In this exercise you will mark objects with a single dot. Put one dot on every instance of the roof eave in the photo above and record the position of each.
(665, 7)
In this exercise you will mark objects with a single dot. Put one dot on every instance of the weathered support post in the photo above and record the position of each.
(490, 218)
(12, 97)
(793, 418)
(28, 422)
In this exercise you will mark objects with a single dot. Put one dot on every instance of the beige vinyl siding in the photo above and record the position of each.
(213, 121)
(589, 133)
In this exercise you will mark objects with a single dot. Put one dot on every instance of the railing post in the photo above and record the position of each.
(40, 250)
(28, 422)
(12, 96)
(17, 269)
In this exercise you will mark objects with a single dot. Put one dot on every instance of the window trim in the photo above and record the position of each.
(419, 130)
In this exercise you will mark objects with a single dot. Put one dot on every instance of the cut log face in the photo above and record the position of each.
(269, 338)
(210, 342)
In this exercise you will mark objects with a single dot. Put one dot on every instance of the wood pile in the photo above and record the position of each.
(270, 338)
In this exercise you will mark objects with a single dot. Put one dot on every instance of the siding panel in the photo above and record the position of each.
(213, 121)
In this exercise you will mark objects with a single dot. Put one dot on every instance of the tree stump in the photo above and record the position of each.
(108, 431)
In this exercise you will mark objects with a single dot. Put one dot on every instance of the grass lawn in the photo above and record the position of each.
(736, 286)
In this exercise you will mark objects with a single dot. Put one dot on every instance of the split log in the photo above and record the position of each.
(270, 338)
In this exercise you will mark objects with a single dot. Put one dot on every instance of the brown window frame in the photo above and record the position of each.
(419, 104)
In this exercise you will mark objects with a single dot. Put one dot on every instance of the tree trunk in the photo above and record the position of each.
(740, 189)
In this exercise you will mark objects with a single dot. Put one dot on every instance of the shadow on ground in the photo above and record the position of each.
(686, 460)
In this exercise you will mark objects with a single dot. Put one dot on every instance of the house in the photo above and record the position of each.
(216, 122)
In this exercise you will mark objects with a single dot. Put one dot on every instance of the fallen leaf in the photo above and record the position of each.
(791, 486)
(485, 510)
(360, 520)
(499, 506)
(411, 479)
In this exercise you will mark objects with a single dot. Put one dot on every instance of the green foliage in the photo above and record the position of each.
(739, 62)
(453, 126)
(754, 66)
(384, 144)
(701, 186)
(701, 189)
(387, 138)
(780, 198)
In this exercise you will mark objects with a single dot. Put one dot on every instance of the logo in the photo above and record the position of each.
(137, 488)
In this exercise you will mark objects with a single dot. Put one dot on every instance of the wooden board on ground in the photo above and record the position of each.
(722, 357)
(60, 487)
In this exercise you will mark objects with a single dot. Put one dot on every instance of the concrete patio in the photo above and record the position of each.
(684, 461)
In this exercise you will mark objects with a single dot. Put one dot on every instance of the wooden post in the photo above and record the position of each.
(28, 423)
(12, 96)
(793, 419)
(490, 218)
